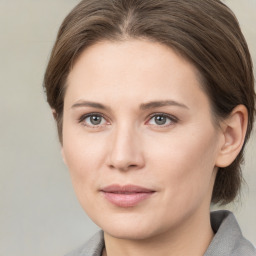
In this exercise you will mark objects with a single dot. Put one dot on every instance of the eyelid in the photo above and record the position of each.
(173, 119)
(163, 114)
(83, 117)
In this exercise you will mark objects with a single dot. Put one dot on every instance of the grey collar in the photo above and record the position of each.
(228, 239)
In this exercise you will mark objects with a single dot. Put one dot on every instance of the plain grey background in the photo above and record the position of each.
(39, 213)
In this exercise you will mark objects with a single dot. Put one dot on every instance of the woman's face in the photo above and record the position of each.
(139, 139)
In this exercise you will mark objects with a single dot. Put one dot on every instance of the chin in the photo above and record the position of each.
(135, 233)
(131, 226)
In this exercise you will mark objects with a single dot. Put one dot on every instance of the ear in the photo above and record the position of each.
(54, 113)
(233, 130)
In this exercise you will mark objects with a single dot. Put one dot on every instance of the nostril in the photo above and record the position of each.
(124, 157)
(111, 167)
(123, 167)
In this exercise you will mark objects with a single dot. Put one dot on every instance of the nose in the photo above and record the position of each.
(126, 150)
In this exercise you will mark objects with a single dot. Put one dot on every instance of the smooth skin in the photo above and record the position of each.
(135, 113)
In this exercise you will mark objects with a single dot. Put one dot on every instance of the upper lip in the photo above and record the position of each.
(115, 188)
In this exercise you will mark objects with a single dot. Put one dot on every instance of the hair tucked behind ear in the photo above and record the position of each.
(205, 32)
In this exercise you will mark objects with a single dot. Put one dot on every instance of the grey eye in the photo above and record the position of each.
(160, 120)
(95, 120)
(92, 120)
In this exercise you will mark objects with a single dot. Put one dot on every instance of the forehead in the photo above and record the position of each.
(136, 69)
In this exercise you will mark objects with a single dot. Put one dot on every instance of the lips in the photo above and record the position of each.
(126, 196)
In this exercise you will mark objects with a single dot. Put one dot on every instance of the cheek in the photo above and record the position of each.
(83, 157)
(185, 165)
(81, 150)
(81, 163)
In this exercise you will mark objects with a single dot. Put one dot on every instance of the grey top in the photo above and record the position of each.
(228, 239)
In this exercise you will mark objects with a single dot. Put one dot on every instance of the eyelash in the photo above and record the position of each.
(172, 119)
(83, 117)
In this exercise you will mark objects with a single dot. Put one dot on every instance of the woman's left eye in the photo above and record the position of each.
(162, 120)
(93, 120)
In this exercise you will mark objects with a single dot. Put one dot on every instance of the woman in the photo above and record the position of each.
(154, 102)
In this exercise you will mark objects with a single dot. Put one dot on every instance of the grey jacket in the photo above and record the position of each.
(228, 239)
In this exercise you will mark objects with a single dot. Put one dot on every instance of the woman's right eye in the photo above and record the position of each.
(93, 120)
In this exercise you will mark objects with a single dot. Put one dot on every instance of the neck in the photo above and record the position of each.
(192, 238)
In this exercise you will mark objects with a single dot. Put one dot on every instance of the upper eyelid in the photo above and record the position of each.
(93, 113)
(149, 117)
(84, 116)
(163, 114)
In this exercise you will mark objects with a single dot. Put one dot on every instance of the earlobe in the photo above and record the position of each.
(54, 113)
(55, 116)
(234, 130)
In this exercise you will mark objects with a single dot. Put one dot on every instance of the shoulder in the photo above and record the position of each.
(92, 247)
(228, 239)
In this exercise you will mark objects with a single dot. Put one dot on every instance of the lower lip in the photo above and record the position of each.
(127, 200)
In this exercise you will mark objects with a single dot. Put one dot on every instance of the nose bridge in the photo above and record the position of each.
(126, 149)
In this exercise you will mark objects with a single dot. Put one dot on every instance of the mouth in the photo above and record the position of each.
(126, 196)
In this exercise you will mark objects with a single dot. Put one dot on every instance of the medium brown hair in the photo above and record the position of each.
(205, 32)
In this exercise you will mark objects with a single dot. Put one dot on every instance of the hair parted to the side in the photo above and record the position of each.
(205, 32)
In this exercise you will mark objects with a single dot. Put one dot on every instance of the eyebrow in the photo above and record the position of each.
(89, 104)
(143, 106)
(162, 103)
